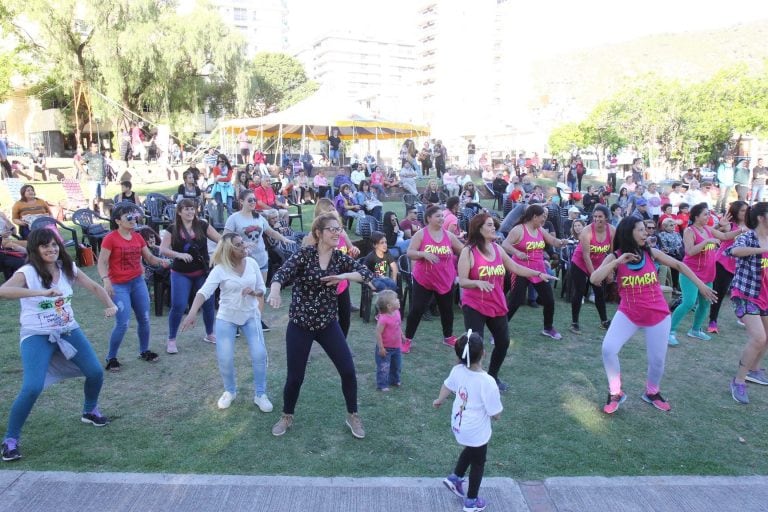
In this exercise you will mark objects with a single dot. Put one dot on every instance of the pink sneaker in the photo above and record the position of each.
(712, 327)
(613, 403)
(406, 348)
(210, 338)
(657, 401)
(450, 341)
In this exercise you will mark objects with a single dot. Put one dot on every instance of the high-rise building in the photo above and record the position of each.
(264, 23)
(379, 73)
(456, 69)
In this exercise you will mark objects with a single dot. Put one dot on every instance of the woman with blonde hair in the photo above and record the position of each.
(241, 285)
(315, 271)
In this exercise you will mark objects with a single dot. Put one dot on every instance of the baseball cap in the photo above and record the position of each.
(641, 201)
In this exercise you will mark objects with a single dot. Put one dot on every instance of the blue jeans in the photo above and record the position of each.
(388, 368)
(225, 353)
(384, 283)
(181, 286)
(131, 295)
(220, 204)
(333, 155)
(36, 353)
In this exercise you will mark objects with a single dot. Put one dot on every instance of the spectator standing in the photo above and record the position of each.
(471, 149)
(742, 179)
(94, 165)
(334, 141)
(440, 154)
(759, 177)
(244, 145)
(725, 175)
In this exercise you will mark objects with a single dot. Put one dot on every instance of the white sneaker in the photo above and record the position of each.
(263, 403)
(226, 399)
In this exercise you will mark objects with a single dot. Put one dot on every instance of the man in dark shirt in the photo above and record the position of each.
(410, 224)
(471, 155)
(333, 147)
(759, 175)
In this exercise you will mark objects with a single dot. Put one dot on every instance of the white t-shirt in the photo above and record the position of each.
(654, 202)
(477, 399)
(233, 306)
(251, 230)
(44, 315)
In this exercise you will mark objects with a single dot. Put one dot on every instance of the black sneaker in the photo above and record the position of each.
(11, 450)
(265, 327)
(95, 418)
(113, 365)
(503, 386)
(149, 356)
(605, 324)
(575, 328)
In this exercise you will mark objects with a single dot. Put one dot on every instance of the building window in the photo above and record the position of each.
(240, 14)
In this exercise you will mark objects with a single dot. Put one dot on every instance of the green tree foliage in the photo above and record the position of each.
(272, 81)
(141, 54)
(680, 121)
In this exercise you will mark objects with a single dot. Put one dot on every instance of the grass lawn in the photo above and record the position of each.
(165, 419)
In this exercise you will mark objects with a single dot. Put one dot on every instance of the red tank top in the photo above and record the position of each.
(642, 300)
(440, 276)
(597, 250)
(533, 247)
(703, 263)
(493, 303)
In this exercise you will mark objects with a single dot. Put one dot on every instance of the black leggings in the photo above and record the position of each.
(420, 301)
(721, 285)
(579, 281)
(499, 327)
(345, 311)
(518, 295)
(472, 457)
(298, 343)
(612, 181)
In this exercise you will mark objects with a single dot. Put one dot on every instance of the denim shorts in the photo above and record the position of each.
(746, 307)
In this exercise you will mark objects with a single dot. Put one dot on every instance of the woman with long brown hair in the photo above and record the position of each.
(187, 246)
(483, 265)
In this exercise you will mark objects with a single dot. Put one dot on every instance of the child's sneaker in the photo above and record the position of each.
(613, 402)
(170, 347)
(657, 401)
(712, 328)
(450, 341)
(455, 485)
(552, 333)
(474, 505)
(406, 348)
(672, 340)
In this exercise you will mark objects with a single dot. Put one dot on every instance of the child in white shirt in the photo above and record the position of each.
(476, 403)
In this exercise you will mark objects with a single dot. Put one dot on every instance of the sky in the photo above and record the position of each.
(554, 26)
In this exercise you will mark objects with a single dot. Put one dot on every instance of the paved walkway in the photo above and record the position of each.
(33, 491)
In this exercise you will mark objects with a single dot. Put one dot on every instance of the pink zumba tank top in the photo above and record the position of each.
(597, 250)
(533, 247)
(493, 303)
(438, 277)
(702, 264)
(642, 300)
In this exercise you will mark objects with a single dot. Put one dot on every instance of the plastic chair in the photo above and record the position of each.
(404, 284)
(92, 230)
(154, 205)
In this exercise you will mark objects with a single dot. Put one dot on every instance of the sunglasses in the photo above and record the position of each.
(333, 230)
(131, 217)
(250, 200)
